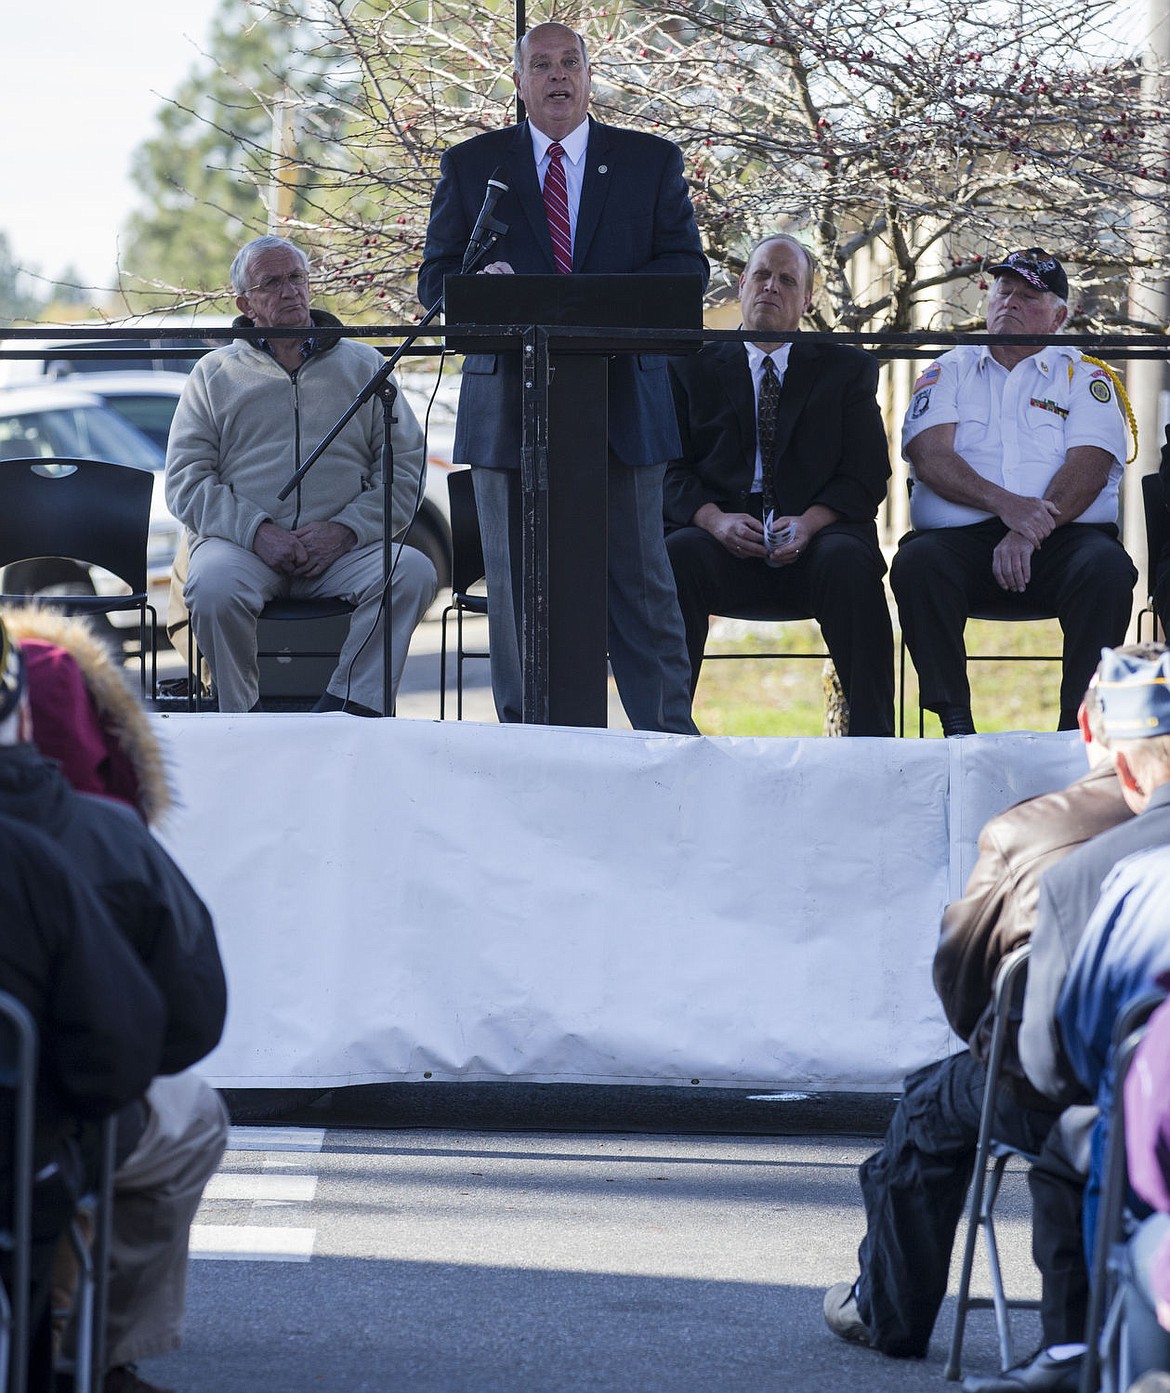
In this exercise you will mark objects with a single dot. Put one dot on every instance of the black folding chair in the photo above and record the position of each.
(991, 1158)
(89, 511)
(1008, 613)
(766, 614)
(298, 643)
(467, 571)
(18, 1076)
(1157, 517)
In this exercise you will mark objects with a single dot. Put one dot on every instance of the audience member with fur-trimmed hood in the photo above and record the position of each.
(92, 786)
(84, 716)
(92, 734)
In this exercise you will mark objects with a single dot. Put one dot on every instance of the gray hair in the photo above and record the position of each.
(810, 261)
(242, 265)
(518, 51)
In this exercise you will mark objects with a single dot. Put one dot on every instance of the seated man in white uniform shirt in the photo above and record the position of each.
(1016, 453)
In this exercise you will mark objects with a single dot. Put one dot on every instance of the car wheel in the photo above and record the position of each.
(46, 576)
(55, 578)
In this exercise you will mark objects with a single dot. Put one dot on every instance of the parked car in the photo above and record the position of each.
(64, 421)
(148, 400)
(69, 420)
(59, 358)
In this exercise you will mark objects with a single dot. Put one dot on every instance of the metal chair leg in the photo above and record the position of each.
(443, 664)
(953, 1370)
(999, 1302)
(83, 1309)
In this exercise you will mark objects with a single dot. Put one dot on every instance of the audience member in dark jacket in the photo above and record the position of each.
(171, 1141)
(99, 1017)
(915, 1185)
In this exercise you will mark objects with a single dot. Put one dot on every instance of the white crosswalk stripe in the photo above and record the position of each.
(287, 1151)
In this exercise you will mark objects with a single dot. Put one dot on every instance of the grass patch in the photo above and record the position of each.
(758, 695)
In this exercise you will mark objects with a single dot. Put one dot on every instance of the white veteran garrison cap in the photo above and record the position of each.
(1134, 694)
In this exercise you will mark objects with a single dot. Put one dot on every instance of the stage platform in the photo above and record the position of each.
(412, 901)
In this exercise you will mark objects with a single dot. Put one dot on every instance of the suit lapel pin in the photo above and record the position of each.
(603, 169)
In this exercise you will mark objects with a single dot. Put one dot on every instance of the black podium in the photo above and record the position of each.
(565, 329)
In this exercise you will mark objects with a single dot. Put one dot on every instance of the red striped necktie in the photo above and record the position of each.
(556, 209)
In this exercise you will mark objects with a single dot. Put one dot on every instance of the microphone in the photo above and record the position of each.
(487, 229)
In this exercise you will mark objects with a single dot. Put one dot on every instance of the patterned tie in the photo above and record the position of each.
(556, 208)
(767, 415)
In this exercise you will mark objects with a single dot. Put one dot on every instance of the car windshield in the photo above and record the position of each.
(66, 363)
(149, 412)
(77, 432)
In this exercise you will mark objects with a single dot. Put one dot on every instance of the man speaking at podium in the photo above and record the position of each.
(588, 198)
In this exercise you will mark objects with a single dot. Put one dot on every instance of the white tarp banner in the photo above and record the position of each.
(400, 900)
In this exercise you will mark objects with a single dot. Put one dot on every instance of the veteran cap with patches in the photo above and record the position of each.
(1134, 695)
(1036, 266)
(11, 673)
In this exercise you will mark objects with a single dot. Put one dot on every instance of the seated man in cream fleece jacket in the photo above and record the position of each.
(249, 415)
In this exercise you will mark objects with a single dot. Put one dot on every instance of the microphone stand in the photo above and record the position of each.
(383, 387)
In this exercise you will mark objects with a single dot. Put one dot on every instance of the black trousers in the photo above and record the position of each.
(837, 582)
(1081, 572)
(1161, 590)
(915, 1189)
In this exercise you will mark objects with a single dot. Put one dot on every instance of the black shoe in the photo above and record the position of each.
(1040, 1373)
(956, 720)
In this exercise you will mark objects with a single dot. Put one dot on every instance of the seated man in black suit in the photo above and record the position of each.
(792, 430)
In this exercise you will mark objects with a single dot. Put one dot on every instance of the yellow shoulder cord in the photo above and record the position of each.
(1122, 397)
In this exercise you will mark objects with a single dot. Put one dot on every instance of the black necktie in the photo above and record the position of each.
(767, 415)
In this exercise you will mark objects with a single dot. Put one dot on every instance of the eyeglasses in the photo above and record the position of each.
(271, 284)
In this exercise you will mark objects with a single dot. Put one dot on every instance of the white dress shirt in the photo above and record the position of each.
(572, 162)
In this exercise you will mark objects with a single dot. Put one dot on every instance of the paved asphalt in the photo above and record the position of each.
(426, 1239)
(451, 1260)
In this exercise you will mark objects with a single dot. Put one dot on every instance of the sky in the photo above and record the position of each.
(82, 84)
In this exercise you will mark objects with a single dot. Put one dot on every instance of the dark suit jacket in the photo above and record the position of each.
(830, 446)
(635, 217)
